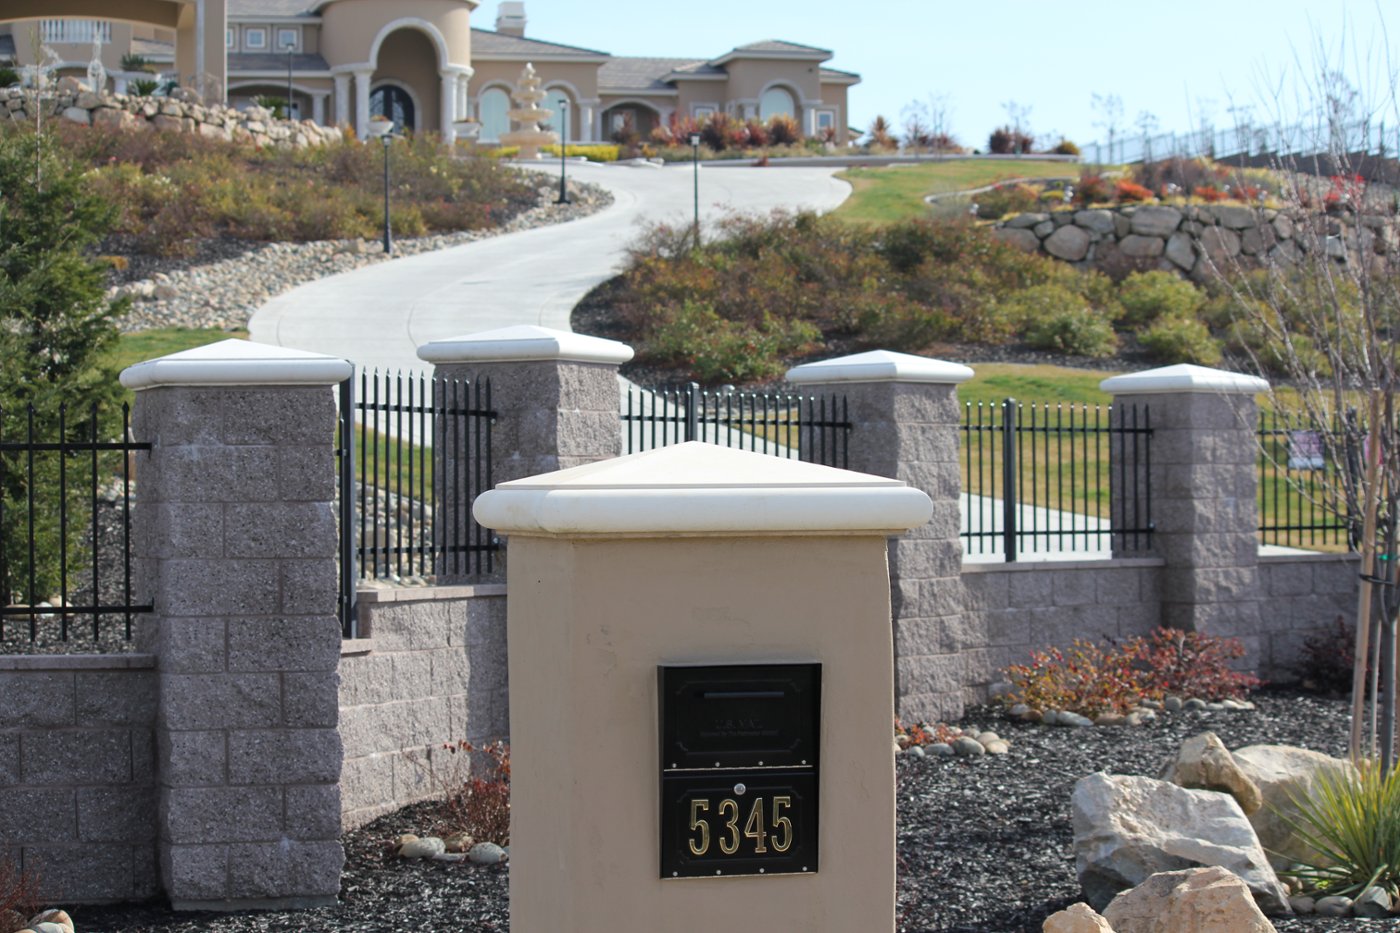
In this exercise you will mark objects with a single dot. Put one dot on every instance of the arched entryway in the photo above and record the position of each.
(396, 103)
(640, 117)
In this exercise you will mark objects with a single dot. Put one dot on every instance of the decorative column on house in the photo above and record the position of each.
(587, 121)
(342, 98)
(363, 79)
(236, 540)
(318, 107)
(904, 415)
(1203, 475)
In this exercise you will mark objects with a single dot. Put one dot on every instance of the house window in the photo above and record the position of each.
(703, 111)
(230, 38)
(775, 102)
(288, 38)
(826, 119)
(491, 108)
(255, 37)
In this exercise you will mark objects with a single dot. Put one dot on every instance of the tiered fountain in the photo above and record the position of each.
(529, 114)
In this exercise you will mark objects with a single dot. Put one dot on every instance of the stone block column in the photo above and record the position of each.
(1204, 481)
(556, 396)
(236, 541)
(905, 416)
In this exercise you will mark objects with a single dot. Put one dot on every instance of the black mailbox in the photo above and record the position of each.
(739, 764)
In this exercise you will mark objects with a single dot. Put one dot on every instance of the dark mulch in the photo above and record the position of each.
(984, 845)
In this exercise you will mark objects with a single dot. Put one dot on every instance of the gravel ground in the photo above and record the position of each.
(984, 844)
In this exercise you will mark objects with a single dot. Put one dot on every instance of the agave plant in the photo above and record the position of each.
(1352, 822)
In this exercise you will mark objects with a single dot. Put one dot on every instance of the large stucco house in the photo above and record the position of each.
(423, 63)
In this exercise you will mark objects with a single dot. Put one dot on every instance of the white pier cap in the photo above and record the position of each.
(880, 366)
(523, 342)
(236, 362)
(702, 489)
(1186, 378)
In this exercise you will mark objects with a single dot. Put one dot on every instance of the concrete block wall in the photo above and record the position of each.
(78, 774)
(1302, 595)
(430, 669)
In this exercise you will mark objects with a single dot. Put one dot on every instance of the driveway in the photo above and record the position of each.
(378, 316)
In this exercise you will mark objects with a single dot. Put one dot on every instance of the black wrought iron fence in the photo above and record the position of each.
(415, 453)
(1053, 478)
(66, 491)
(1302, 501)
(814, 428)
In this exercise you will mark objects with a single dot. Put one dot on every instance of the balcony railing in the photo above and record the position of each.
(74, 31)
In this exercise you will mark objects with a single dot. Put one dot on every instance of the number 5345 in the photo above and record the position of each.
(722, 825)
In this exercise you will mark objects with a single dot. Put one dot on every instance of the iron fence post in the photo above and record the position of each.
(1008, 478)
(345, 450)
(692, 411)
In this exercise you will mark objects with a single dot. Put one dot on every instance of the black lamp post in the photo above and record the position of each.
(384, 129)
(563, 145)
(695, 152)
(291, 47)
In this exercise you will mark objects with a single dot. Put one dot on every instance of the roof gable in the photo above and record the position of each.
(489, 44)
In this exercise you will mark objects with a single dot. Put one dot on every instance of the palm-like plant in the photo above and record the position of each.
(1351, 821)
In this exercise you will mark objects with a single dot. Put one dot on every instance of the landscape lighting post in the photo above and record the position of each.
(563, 139)
(384, 129)
(695, 152)
(291, 46)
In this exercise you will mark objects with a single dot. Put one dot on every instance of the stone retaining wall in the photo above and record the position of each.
(180, 112)
(430, 669)
(1194, 239)
(78, 773)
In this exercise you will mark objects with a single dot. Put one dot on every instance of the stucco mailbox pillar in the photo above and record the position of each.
(1203, 476)
(701, 688)
(904, 414)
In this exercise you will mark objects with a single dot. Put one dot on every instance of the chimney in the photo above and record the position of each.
(510, 18)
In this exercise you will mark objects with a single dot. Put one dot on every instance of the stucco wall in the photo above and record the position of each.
(431, 669)
(349, 27)
(77, 773)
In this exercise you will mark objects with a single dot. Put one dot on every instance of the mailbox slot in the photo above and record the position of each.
(740, 716)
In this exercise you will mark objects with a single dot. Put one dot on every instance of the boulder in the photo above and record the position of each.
(1140, 246)
(1236, 218)
(1372, 903)
(1020, 238)
(77, 115)
(1181, 250)
(1197, 900)
(1068, 243)
(1076, 918)
(1220, 244)
(1097, 221)
(1204, 762)
(1256, 241)
(1021, 221)
(1127, 829)
(1284, 773)
(1153, 220)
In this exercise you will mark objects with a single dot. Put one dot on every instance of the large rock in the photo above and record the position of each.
(1153, 220)
(1197, 900)
(1069, 243)
(1141, 247)
(1204, 762)
(1020, 238)
(1098, 220)
(1127, 829)
(1220, 245)
(1283, 774)
(1076, 918)
(1181, 250)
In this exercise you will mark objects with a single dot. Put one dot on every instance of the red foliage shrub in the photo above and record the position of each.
(1210, 193)
(19, 896)
(676, 131)
(474, 784)
(1092, 189)
(1131, 192)
(1087, 679)
(1190, 664)
(783, 130)
(758, 134)
(921, 733)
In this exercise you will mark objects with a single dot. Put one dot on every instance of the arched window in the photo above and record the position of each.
(392, 101)
(555, 102)
(776, 101)
(492, 108)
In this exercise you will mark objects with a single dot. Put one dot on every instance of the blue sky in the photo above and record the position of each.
(1175, 59)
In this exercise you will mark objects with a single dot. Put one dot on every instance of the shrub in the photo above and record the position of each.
(1327, 661)
(1352, 822)
(1087, 679)
(8, 77)
(133, 62)
(144, 87)
(19, 895)
(1147, 296)
(473, 789)
(1065, 147)
(1002, 141)
(1092, 189)
(881, 136)
(921, 733)
(1072, 327)
(1210, 194)
(1180, 339)
(1190, 664)
(1131, 192)
(782, 130)
(1179, 176)
(720, 350)
(757, 134)
(1007, 199)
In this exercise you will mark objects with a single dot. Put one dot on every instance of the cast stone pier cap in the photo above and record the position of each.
(702, 489)
(880, 366)
(524, 342)
(1184, 378)
(238, 363)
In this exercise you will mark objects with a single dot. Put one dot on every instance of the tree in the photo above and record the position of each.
(1325, 317)
(916, 127)
(1018, 117)
(1147, 125)
(56, 326)
(1110, 110)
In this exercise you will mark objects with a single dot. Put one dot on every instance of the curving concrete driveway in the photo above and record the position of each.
(378, 316)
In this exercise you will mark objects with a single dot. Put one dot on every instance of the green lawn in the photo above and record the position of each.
(894, 193)
(149, 344)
